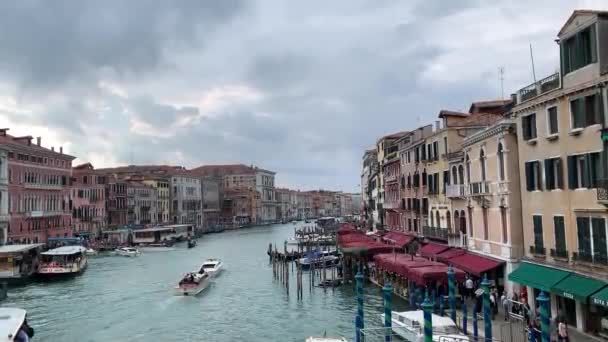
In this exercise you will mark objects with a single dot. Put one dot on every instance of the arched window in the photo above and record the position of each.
(448, 220)
(455, 175)
(456, 221)
(423, 177)
(432, 219)
(501, 162)
(503, 223)
(482, 162)
(467, 161)
(460, 174)
(438, 219)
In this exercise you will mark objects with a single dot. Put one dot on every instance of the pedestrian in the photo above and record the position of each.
(505, 304)
(469, 285)
(526, 311)
(562, 332)
(493, 303)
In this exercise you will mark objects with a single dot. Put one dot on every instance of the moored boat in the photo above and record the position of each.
(212, 266)
(192, 283)
(90, 251)
(191, 243)
(63, 261)
(318, 259)
(409, 325)
(127, 251)
(18, 263)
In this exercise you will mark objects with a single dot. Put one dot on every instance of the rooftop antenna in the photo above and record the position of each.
(532, 59)
(501, 75)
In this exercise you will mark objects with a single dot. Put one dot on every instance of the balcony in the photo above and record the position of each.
(39, 186)
(459, 240)
(435, 233)
(41, 213)
(453, 155)
(559, 254)
(602, 191)
(540, 87)
(595, 259)
(455, 191)
(538, 251)
(479, 188)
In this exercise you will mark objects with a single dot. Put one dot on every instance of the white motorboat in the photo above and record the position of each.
(325, 339)
(192, 284)
(90, 251)
(127, 251)
(212, 266)
(409, 325)
(63, 261)
(11, 321)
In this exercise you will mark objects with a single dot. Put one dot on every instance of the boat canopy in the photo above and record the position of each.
(11, 320)
(19, 248)
(65, 250)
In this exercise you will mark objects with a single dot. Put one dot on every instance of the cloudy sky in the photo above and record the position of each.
(299, 87)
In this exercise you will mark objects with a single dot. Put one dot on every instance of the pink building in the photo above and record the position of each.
(39, 190)
(88, 201)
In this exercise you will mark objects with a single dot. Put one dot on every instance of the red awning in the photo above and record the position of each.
(423, 275)
(401, 263)
(432, 249)
(474, 264)
(446, 255)
(397, 238)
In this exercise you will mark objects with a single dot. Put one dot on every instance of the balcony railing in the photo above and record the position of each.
(455, 191)
(435, 232)
(558, 253)
(458, 240)
(538, 250)
(454, 155)
(40, 186)
(479, 188)
(602, 191)
(590, 258)
(540, 87)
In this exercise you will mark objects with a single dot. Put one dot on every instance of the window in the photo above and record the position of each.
(484, 212)
(482, 162)
(503, 224)
(554, 178)
(445, 145)
(436, 150)
(528, 126)
(454, 175)
(501, 163)
(560, 233)
(592, 239)
(537, 221)
(432, 217)
(468, 165)
(423, 152)
(438, 219)
(446, 180)
(448, 219)
(552, 122)
(586, 111)
(584, 170)
(470, 210)
(424, 177)
(579, 50)
(460, 174)
(533, 176)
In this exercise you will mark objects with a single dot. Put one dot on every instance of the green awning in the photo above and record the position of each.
(577, 287)
(536, 276)
(600, 298)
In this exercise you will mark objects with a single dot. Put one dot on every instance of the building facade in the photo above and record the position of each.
(145, 202)
(119, 207)
(211, 201)
(264, 182)
(4, 218)
(391, 172)
(39, 190)
(163, 195)
(88, 201)
(186, 199)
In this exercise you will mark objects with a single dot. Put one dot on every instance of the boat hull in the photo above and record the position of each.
(188, 290)
(54, 272)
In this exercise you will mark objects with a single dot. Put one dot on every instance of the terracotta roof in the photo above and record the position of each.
(85, 166)
(143, 169)
(488, 104)
(24, 144)
(578, 12)
(221, 170)
(478, 119)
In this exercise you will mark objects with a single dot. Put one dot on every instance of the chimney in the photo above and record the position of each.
(61, 149)
(52, 148)
(38, 140)
(437, 125)
(3, 132)
(514, 98)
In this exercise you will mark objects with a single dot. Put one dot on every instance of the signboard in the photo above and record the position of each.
(598, 301)
(567, 295)
(53, 270)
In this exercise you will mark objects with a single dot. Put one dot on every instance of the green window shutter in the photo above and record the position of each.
(537, 220)
(563, 48)
(572, 173)
(560, 235)
(550, 182)
(587, 171)
(538, 175)
(525, 127)
(533, 125)
(599, 238)
(560, 173)
(593, 43)
(584, 241)
(529, 181)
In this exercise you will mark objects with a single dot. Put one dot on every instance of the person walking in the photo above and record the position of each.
(469, 285)
(505, 304)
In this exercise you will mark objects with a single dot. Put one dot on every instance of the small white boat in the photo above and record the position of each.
(63, 261)
(409, 325)
(11, 322)
(90, 251)
(192, 284)
(212, 266)
(325, 339)
(127, 251)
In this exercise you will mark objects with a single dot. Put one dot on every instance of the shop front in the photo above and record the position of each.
(598, 318)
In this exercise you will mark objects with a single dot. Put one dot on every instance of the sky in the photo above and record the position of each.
(298, 87)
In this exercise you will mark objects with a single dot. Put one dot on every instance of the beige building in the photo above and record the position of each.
(562, 166)
(163, 200)
(386, 149)
(492, 197)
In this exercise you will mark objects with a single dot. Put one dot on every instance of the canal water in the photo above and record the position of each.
(131, 299)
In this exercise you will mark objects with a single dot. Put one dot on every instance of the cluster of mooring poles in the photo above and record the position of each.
(428, 306)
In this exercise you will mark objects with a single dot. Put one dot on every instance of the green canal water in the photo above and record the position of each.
(131, 299)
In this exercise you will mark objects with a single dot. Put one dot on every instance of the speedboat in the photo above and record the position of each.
(13, 322)
(318, 259)
(409, 325)
(90, 251)
(212, 266)
(127, 251)
(63, 261)
(192, 283)
(325, 339)
(191, 243)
